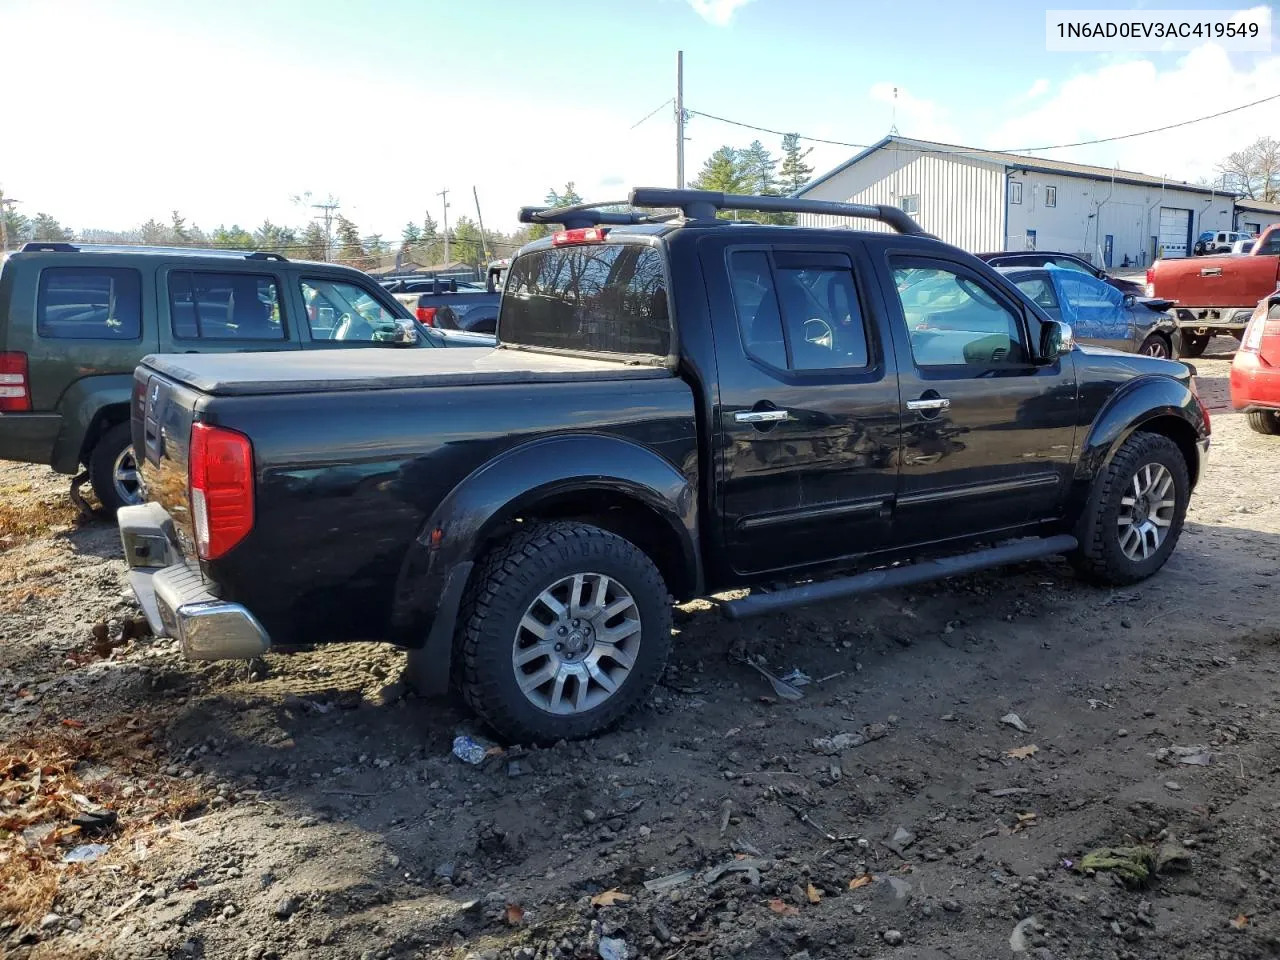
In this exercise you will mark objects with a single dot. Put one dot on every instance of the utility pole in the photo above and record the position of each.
(6, 206)
(484, 240)
(444, 200)
(679, 119)
(327, 216)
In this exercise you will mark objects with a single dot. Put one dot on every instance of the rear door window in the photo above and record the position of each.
(225, 306)
(89, 303)
(597, 298)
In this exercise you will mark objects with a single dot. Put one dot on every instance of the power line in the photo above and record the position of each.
(650, 113)
(1056, 146)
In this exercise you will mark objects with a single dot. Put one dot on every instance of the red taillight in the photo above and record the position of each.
(220, 462)
(1151, 282)
(15, 390)
(427, 315)
(581, 235)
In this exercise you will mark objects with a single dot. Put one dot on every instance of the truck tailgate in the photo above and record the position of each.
(1215, 281)
(163, 413)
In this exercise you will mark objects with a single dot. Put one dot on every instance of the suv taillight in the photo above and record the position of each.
(15, 389)
(220, 463)
(1151, 282)
(427, 315)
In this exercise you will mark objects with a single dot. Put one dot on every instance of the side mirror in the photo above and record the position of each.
(1129, 300)
(1056, 339)
(404, 333)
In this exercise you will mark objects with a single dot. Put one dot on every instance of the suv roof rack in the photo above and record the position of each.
(703, 205)
(49, 246)
(589, 215)
(266, 255)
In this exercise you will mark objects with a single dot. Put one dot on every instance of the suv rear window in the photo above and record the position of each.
(89, 303)
(600, 298)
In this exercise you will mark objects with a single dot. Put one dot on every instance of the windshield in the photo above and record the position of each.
(598, 298)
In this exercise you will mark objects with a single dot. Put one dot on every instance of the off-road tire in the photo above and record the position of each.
(1264, 421)
(1162, 340)
(501, 589)
(1191, 345)
(102, 463)
(1099, 558)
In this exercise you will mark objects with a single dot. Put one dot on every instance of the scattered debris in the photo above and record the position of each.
(726, 813)
(797, 678)
(782, 908)
(781, 687)
(473, 750)
(861, 881)
(1015, 721)
(813, 894)
(514, 914)
(517, 768)
(893, 937)
(1095, 704)
(1136, 865)
(1018, 939)
(1240, 921)
(748, 865)
(1198, 756)
(85, 853)
(660, 884)
(609, 897)
(1021, 753)
(1009, 791)
(847, 741)
(613, 948)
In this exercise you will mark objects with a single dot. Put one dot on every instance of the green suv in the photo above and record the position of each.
(75, 321)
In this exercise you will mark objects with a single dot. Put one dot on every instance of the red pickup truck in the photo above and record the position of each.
(1217, 294)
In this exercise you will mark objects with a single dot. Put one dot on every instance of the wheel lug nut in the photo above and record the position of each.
(562, 631)
(559, 647)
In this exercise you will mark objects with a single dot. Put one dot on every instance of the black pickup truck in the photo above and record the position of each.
(679, 405)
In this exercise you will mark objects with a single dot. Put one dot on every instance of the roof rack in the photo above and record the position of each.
(705, 204)
(588, 215)
(49, 247)
(266, 255)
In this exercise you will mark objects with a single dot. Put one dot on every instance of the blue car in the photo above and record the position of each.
(1098, 313)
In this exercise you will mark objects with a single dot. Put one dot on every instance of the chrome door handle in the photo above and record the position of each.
(936, 403)
(761, 416)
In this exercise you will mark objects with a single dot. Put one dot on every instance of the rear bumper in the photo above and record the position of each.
(1255, 385)
(29, 437)
(174, 596)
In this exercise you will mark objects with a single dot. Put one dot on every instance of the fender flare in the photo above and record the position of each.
(82, 407)
(435, 570)
(1137, 404)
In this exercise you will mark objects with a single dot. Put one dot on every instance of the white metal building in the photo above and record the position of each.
(982, 200)
(1254, 216)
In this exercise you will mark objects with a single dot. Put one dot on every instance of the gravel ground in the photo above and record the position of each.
(304, 807)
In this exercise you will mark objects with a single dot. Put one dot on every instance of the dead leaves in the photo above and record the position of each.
(609, 897)
(861, 881)
(514, 914)
(1240, 921)
(813, 894)
(782, 908)
(1025, 820)
(1022, 753)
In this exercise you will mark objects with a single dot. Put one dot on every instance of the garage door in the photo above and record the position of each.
(1175, 226)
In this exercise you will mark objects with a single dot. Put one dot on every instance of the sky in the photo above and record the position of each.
(119, 110)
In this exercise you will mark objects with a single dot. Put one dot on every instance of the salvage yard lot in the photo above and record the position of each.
(304, 807)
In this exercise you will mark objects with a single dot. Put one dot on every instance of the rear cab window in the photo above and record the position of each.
(608, 298)
(89, 303)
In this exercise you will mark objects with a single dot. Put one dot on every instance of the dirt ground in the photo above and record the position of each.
(305, 807)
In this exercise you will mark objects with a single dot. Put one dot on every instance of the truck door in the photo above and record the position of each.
(987, 433)
(808, 413)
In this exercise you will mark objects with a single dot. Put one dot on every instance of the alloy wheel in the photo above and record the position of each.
(1146, 511)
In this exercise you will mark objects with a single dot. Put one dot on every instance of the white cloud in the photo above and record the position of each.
(1038, 89)
(1139, 94)
(717, 12)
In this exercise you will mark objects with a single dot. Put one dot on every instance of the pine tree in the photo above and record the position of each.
(570, 197)
(178, 232)
(759, 168)
(430, 231)
(723, 171)
(350, 250)
(795, 173)
(45, 227)
(411, 233)
(314, 243)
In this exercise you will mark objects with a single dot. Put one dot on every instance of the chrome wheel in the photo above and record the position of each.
(124, 476)
(576, 643)
(1146, 511)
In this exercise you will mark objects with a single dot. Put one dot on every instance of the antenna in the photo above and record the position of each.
(893, 115)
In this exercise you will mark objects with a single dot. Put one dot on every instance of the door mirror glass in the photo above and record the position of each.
(1056, 339)
(1130, 299)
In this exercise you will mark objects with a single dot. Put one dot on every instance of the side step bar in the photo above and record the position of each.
(905, 576)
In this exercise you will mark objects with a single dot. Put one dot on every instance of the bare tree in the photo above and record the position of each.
(1254, 171)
